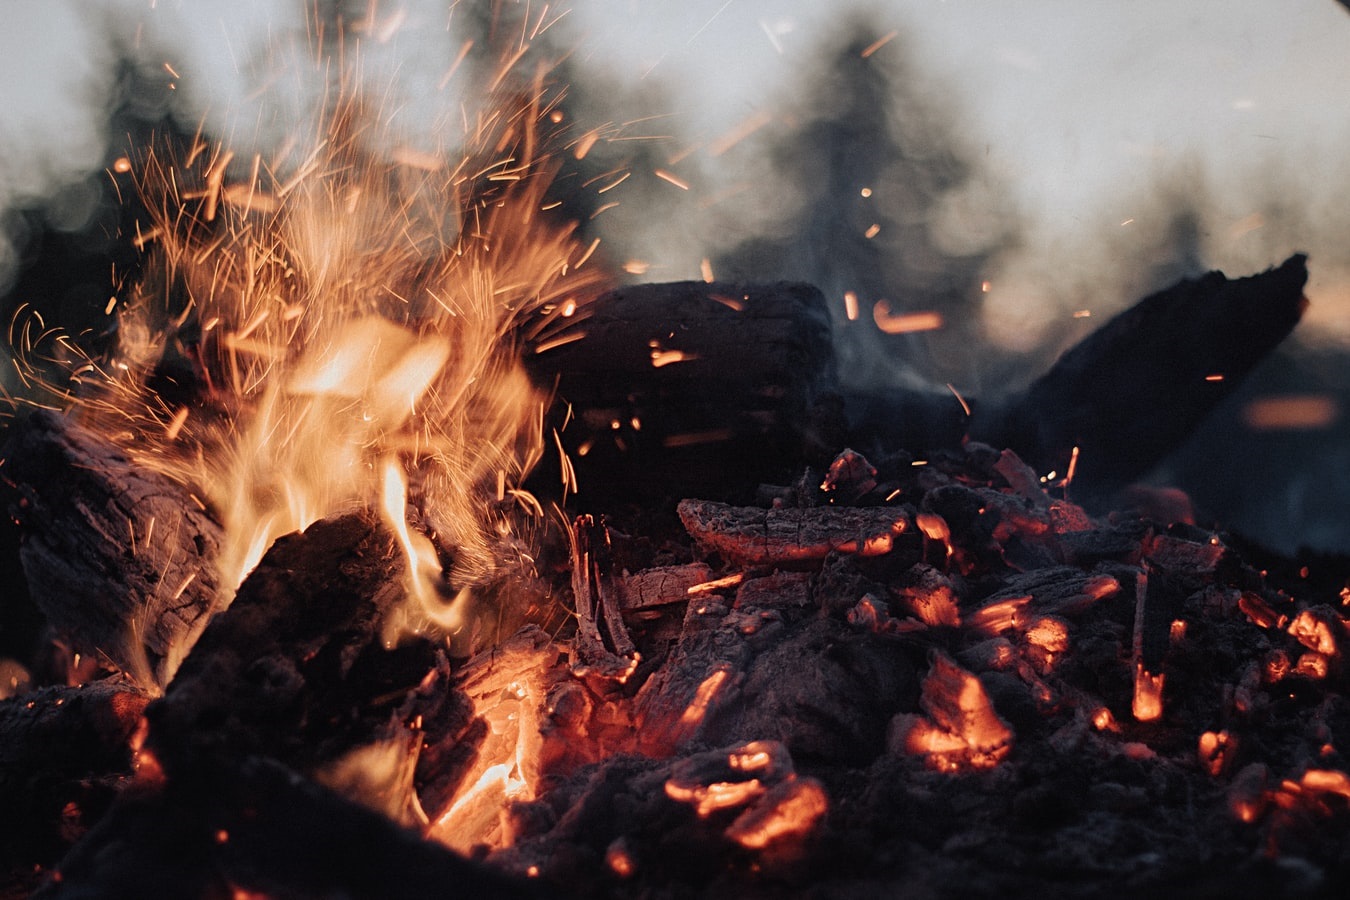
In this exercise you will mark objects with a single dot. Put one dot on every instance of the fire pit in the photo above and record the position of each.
(334, 628)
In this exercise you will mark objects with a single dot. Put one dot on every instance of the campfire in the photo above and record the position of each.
(395, 551)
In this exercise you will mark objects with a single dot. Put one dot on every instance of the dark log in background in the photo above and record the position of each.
(756, 393)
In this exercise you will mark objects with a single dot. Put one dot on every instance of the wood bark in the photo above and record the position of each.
(120, 559)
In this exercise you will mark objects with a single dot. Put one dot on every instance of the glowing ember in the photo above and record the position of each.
(791, 809)
(961, 730)
(1216, 751)
(1147, 703)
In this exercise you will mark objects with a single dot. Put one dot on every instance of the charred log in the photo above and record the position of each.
(64, 755)
(256, 828)
(692, 387)
(296, 669)
(703, 389)
(120, 559)
(1135, 388)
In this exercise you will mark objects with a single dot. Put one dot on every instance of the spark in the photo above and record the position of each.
(454, 66)
(721, 9)
(587, 255)
(176, 424)
(879, 43)
(183, 587)
(1073, 468)
(673, 179)
(904, 323)
(872, 231)
(851, 305)
(959, 399)
(585, 143)
(555, 343)
(706, 270)
(663, 358)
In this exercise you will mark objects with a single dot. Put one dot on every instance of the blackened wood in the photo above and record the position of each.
(604, 648)
(691, 387)
(119, 558)
(63, 753)
(256, 828)
(296, 668)
(1135, 388)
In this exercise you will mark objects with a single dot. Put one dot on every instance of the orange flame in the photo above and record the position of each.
(345, 312)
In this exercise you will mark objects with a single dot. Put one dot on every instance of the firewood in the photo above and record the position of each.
(256, 828)
(683, 386)
(701, 389)
(1132, 390)
(119, 558)
(64, 754)
(296, 669)
(749, 536)
(604, 649)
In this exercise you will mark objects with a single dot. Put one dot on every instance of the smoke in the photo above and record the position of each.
(867, 190)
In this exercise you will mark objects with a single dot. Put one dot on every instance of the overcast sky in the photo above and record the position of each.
(1076, 106)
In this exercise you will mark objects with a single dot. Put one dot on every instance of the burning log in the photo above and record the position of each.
(294, 683)
(119, 558)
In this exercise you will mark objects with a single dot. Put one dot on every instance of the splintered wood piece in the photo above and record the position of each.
(662, 585)
(750, 536)
(603, 646)
(120, 559)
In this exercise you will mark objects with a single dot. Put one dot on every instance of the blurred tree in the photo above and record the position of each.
(877, 176)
